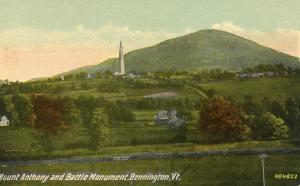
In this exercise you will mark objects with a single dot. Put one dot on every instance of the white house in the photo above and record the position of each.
(90, 76)
(132, 75)
(4, 122)
(168, 118)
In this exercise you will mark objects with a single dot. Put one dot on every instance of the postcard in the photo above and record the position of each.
(160, 92)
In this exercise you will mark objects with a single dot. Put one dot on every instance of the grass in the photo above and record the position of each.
(17, 138)
(139, 136)
(93, 92)
(277, 88)
(274, 88)
(129, 149)
(145, 115)
(211, 171)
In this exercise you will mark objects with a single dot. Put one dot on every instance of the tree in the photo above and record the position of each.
(48, 112)
(81, 75)
(118, 112)
(277, 109)
(71, 115)
(97, 129)
(267, 104)
(108, 74)
(222, 120)
(250, 107)
(4, 102)
(292, 115)
(23, 109)
(211, 92)
(268, 126)
(179, 133)
(7, 108)
(86, 105)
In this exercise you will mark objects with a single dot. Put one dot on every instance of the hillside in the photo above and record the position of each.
(205, 49)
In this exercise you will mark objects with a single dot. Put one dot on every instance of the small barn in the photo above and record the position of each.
(4, 122)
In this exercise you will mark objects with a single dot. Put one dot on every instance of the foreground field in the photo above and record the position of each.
(18, 143)
(213, 170)
(123, 150)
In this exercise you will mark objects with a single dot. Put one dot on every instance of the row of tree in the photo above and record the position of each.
(224, 120)
(276, 68)
(214, 74)
(53, 112)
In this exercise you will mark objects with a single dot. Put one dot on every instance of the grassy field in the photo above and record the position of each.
(274, 88)
(209, 171)
(141, 135)
(23, 143)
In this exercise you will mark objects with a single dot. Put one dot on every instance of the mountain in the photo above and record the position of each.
(205, 49)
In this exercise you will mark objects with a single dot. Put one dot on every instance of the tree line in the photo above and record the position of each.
(227, 120)
(276, 68)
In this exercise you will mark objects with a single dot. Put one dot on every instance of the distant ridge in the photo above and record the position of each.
(202, 50)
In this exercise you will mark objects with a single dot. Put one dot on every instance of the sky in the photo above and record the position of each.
(40, 38)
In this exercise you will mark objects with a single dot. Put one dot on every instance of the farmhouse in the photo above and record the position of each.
(90, 76)
(169, 118)
(4, 122)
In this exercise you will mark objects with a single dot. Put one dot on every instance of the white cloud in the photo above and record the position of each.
(227, 25)
(286, 40)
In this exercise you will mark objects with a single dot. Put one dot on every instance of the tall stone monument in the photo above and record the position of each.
(121, 60)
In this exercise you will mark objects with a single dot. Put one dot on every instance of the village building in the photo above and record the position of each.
(133, 75)
(90, 76)
(256, 75)
(269, 74)
(168, 118)
(4, 122)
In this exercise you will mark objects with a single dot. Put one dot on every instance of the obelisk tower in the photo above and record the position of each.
(121, 60)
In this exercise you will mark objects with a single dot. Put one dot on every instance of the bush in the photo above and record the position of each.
(268, 126)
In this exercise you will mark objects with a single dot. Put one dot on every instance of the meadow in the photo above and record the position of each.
(279, 88)
(210, 171)
(20, 144)
(141, 134)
